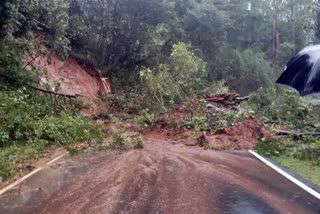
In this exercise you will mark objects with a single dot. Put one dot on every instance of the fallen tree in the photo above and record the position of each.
(227, 100)
(295, 133)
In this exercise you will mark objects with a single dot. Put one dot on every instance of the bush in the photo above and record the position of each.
(218, 87)
(271, 147)
(138, 142)
(132, 101)
(11, 67)
(308, 149)
(29, 125)
(244, 71)
(145, 120)
(122, 140)
(281, 106)
(177, 82)
(198, 123)
(28, 118)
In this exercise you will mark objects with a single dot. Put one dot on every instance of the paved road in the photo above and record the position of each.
(162, 178)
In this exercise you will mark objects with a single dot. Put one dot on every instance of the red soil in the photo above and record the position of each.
(76, 78)
(242, 136)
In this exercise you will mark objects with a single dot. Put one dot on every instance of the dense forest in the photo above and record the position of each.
(246, 43)
(158, 54)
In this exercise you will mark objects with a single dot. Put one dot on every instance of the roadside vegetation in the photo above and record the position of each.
(300, 155)
(162, 57)
(32, 122)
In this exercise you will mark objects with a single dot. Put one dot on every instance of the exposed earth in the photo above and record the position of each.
(172, 174)
(162, 178)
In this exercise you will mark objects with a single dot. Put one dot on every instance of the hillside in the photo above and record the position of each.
(72, 76)
(158, 106)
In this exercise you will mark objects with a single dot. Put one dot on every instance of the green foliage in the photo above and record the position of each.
(52, 17)
(304, 168)
(138, 142)
(286, 51)
(5, 169)
(308, 149)
(271, 147)
(122, 140)
(198, 123)
(218, 87)
(224, 118)
(29, 125)
(177, 82)
(16, 17)
(27, 118)
(11, 69)
(187, 70)
(122, 36)
(281, 106)
(244, 71)
(131, 101)
(146, 119)
(30, 122)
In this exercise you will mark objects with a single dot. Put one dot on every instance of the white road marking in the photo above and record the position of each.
(54, 160)
(286, 175)
(28, 175)
(19, 181)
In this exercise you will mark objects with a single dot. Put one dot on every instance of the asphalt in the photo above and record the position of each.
(162, 178)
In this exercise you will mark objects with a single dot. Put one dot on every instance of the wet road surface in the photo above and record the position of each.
(162, 178)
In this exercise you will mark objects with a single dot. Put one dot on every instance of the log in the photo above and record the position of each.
(53, 93)
(296, 133)
(41, 90)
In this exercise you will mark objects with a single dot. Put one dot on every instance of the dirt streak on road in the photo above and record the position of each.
(162, 178)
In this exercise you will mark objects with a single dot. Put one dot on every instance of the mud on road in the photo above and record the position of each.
(162, 178)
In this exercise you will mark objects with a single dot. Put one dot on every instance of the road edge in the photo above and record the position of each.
(286, 175)
(10, 186)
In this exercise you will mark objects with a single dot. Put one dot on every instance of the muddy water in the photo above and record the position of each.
(162, 178)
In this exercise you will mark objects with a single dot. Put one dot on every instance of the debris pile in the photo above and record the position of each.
(226, 101)
(244, 135)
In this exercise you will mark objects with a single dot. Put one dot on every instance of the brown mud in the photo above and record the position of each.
(162, 178)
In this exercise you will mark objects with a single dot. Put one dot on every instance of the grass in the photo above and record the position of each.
(304, 168)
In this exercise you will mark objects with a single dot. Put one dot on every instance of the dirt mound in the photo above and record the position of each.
(74, 76)
(171, 135)
(242, 136)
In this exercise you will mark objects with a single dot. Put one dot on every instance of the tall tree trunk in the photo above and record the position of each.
(276, 39)
(293, 29)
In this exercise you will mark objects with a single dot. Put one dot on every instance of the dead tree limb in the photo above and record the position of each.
(32, 60)
(296, 133)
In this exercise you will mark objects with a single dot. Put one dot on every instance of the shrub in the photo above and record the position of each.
(5, 169)
(132, 101)
(308, 149)
(122, 140)
(138, 142)
(198, 123)
(281, 106)
(218, 87)
(178, 81)
(11, 67)
(244, 71)
(30, 123)
(271, 147)
(145, 120)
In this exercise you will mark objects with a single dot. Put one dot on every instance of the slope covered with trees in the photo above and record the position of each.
(159, 54)
(238, 39)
